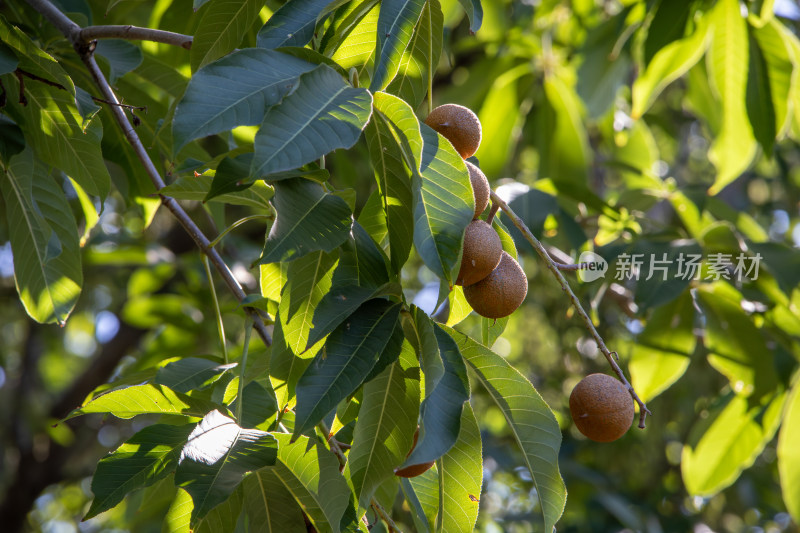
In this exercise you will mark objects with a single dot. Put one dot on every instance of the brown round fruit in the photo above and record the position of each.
(480, 188)
(413, 470)
(482, 251)
(458, 125)
(501, 292)
(601, 407)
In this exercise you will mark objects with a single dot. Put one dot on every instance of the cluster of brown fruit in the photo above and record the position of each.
(494, 283)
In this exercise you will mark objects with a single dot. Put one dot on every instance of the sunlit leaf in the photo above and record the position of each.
(422, 494)
(191, 373)
(293, 23)
(221, 29)
(395, 27)
(353, 46)
(31, 58)
(789, 454)
(460, 478)
(144, 399)
(269, 505)
(474, 12)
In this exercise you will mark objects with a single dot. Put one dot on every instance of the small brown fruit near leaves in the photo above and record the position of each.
(458, 125)
(413, 470)
(482, 251)
(601, 407)
(480, 188)
(501, 292)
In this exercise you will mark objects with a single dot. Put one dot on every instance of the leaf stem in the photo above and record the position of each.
(220, 326)
(248, 327)
(587, 321)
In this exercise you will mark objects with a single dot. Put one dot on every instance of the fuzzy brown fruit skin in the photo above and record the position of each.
(458, 125)
(501, 292)
(413, 470)
(480, 188)
(482, 251)
(601, 407)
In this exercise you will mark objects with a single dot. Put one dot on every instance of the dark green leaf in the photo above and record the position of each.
(222, 28)
(8, 60)
(760, 108)
(122, 56)
(422, 494)
(474, 12)
(198, 188)
(191, 373)
(668, 25)
(396, 23)
(293, 23)
(12, 141)
(32, 58)
(259, 405)
(269, 505)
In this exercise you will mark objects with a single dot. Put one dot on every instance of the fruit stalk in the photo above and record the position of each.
(587, 321)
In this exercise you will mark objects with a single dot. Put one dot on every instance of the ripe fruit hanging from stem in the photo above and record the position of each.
(501, 292)
(601, 407)
(481, 255)
(480, 188)
(458, 125)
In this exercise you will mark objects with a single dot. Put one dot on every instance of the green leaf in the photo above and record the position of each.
(661, 353)
(122, 56)
(529, 418)
(307, 280)
(52, 126)
(308, 219)
(144, 399)
(12, 140)
(221, 29)
(322, 114)
(446, 390)
(460, 478)
(311, 473)
(604, 70)
(667, 26)
(421, 58)
(385, 426)
(223, 517)
(719, 449)
(422, 494)
(32, 58)
(737, 347)
(734, 148)
(197, 188)
(150, 455)
(217, 456)
(354, 40)
(779, 70)
(789, 454)
(349, 354)
(667, 65)
(8, 60)
(361, 261)
(44, 240)
(294, 22)
(474, 12)
(760, 108)
(191, 373)
(269, 505)
(396, 23)
(260, 404)
(234, 91)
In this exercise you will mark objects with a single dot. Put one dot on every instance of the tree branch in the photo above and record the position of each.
(135, 33)
(587, 321)
(73, 32)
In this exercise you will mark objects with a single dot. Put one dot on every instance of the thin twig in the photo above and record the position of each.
(571, 267)
(553, 267)
(72, 31)
(135, 33)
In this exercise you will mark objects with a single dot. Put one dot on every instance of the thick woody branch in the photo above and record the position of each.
(73, 32)
(587, 321)
(135, 33)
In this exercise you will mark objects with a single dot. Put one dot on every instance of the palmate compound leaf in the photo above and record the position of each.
(347, 357)
(446, 389)
(217, 456)
(529, 418)
(308, 220)
(148, 456)
(44, 238)
(234, 91)
(442, 194)
(322, 114)
(386, 424)
(460, 478)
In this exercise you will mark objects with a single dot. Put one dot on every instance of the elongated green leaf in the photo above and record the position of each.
(144, 399)
(122, 56)
(44, 240)
(234, 91)
(718, 451)
(269, 505)
(197, 188)
(396, 23)
(667, 65)
(661, 353)
(311, 473)
(307, 280)
(8, 59)
(460, 478)
(220, 31)
(52, 126)
(760, 108)
(789, 454)
(31, 58)
(361, 261)
(148, 456)
(446, 390)
(421, 58)
(474, 11)
(737, 347)
(293, 23)
(217, 456)
(567, 147)
(223, 517)
(349, 354)
(322, 114)
(385, 426)
(529, 418)
(260, 404)
(308, 220)
(354, 40)
(394, 186)
(779, 70)
(667, 26)
(191, 373)
(422, 494)
(734, 147)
